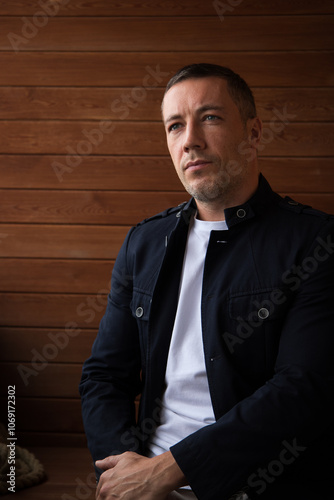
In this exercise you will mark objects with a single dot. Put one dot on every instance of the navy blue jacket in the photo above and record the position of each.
(267, 320)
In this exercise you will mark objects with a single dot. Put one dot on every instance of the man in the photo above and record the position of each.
(221, 316)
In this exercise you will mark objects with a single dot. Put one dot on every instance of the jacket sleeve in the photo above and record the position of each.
(293, 411)
(111, 376)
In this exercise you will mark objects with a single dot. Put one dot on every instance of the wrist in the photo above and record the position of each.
(170, 476)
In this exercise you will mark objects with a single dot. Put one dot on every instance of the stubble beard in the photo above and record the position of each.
(221, 187)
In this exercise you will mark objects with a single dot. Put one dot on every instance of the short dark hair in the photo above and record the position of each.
(237, 87)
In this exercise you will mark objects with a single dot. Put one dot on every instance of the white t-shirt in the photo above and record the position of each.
(186, 403)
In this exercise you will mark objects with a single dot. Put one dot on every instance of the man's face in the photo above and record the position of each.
(209, 143)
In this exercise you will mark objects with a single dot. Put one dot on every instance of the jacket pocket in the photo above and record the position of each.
(141, 305)
(255, 325)
(259, 306)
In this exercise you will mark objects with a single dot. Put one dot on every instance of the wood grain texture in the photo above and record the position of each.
(151, 173)
(138, 8)
(53, 310)
(40, 378)
(64, 242)
(107, 34)
(85, 103)
(70, 472)
(46, 414)
(83, 157)
(90, 208)
(18, 344)
(54, 275)
(96, 69)
(79, 139)
(84, 207)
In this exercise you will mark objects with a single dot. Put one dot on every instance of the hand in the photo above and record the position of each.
(131, 477)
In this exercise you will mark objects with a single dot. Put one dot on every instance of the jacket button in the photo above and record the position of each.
(263, 313)
(292, 202)
(241, 213)
(139, 312)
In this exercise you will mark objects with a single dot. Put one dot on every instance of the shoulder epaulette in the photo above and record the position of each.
(163, 214)
(290, 204)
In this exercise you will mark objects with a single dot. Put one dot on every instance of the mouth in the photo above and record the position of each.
(196, 165)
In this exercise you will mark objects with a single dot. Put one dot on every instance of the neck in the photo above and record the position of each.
(214, 210)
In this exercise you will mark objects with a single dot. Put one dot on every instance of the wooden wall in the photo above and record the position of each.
(83, 157)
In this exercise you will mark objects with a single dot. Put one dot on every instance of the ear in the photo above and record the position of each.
(255, 132)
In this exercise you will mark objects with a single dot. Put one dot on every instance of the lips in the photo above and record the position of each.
(197, 164)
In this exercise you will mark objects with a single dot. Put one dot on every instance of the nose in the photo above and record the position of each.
(193, 138)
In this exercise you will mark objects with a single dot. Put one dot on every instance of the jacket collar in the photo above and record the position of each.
(263, 197)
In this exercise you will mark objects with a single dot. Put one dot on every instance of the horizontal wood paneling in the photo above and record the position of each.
(61, 225)
(44, 414)
(64, 242)
(50, 440)
(315, 104)
(40, 378)
(105, 34)
(70, 473)
(145, 173)
(83, 207)
(53, 137)
(279, 69)
(58, 276)
(173, 8)
(150, 173)
(93, 207)
(52, 310)
(17, 344)
(81, 137)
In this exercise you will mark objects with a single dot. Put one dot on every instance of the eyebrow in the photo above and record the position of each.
(202, 109)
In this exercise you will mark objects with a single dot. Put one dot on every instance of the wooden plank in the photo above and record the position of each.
(84, 207)
(298, 175)
(315, 104)
(40, 378)
(68, 242)
(70, 473)
(18, 344)
(57, 276)
(138, 8)
(80, 103)
(45, 415)
(107, 34)
(151, 173)
(52, 439)
(52, 310)
(45, 491)
(77, 139)
(93, 172)
(280, 69)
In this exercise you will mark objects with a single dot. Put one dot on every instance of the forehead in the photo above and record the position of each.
(190, 95)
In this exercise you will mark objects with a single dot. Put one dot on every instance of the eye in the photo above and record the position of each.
(211, 118)
(174, 127)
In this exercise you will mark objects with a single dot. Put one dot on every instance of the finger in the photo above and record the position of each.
(108, 462)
